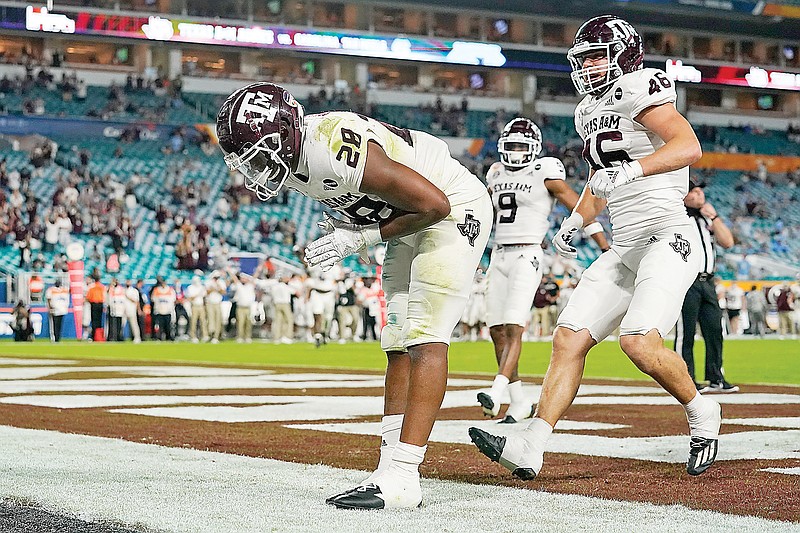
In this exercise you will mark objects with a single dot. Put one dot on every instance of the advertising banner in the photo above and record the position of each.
(176, 28)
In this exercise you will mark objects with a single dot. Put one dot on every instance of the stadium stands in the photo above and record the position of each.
(149, 170)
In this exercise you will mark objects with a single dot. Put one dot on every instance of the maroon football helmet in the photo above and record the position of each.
(613, 37)
(260, 131)
(519, 143)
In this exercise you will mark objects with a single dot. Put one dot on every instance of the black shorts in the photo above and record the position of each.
(733, 313)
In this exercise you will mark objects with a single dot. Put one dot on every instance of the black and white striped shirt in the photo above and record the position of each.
(706, 236)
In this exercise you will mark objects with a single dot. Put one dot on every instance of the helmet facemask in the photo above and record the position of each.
(517, 150)
(261, 166)
(596, 78)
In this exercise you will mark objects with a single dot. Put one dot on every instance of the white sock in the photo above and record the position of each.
(498, 388)
(406, 460)
(538, 431)
(515, 390)
(698, 412)
(390, 436)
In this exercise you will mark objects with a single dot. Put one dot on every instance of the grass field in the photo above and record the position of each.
(746, 361)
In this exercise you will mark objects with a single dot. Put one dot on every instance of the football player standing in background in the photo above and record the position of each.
(523, 188)
(639, 148)
(392, 185)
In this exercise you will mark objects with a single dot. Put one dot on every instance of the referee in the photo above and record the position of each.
(701, 302)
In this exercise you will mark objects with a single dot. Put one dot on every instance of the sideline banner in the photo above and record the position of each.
(726, 161)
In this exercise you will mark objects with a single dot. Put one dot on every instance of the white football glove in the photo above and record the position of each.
(605, 180)
(343, 239)
(562, 242)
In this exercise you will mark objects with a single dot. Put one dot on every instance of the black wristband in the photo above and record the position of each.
(715, 217)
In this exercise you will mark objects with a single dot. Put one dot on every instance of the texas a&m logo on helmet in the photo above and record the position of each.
(608, 37)
(519, 143)
(260, 131)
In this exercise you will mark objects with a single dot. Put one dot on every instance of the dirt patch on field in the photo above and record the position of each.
(737, 487)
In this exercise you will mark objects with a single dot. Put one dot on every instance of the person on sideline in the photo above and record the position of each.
(701, 302)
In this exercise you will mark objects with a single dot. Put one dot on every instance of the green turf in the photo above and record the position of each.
(746, 361)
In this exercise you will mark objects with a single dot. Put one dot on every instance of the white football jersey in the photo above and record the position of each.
(522, 203)
(611, 136)
(334, 153)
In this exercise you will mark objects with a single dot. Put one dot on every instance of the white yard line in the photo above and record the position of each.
(794, 471)
(186, 490)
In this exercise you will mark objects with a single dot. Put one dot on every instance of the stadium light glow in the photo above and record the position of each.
(755, 77)
(158, 28)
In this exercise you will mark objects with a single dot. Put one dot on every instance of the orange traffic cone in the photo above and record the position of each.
(99, 335)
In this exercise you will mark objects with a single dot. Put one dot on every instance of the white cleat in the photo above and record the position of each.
(387, 491)
(517, 413)
(489, 406)
(517, 454)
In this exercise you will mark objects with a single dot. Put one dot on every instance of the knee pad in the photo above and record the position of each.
(392, 338)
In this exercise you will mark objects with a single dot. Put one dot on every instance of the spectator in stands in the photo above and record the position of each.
(96, 296)
(743, 268)
(51, 232)
(60, 263)
(215, 291)
(21, 323)
(57, 298)
(265, 270)
(36, 288)
(220, 254)
(264, 228)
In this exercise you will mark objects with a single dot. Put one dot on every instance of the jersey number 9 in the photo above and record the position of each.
(507, 201)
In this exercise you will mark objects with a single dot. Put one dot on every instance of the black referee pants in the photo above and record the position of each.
(96, 310)
(55, 327)
(700, 304)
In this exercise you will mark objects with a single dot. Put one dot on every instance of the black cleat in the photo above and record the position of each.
(488, 444)
(487, 404)
(702, 453)
(361, 497)
(492, 447)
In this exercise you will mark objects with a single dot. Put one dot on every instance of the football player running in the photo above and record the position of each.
(393, 185)
(523, 187)
(639, 148)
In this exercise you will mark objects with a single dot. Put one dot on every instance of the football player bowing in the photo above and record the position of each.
(639, 148)
(523, 189)
(393, 185)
